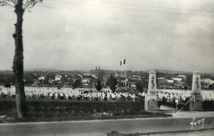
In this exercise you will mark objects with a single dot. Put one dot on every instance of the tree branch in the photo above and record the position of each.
(4, 3)
(31, 3)
(26, 4)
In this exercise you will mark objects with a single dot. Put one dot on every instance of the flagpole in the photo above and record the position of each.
(125, 73)
(122, 63)
(125, 80)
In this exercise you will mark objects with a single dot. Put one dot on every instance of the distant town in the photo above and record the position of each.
(134, 80)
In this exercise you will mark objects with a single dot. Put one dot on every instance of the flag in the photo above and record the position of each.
(122, 62)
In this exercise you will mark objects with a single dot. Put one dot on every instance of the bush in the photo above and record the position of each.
(208, 105)
(48, 106)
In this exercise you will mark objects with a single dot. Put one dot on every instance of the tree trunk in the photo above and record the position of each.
(18, 62)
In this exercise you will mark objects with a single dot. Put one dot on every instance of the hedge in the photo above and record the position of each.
(77, 107)
(50, 106)
(208, 105)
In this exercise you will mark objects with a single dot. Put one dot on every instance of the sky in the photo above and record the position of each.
(81, 34)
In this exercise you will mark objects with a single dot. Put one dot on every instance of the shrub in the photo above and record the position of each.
(48, 106)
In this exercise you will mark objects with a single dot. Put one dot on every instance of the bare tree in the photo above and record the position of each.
(20, 7)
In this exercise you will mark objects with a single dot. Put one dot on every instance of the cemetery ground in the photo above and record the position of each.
(51, 110)
(48, 117)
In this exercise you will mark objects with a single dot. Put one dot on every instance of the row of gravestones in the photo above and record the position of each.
(196, 100)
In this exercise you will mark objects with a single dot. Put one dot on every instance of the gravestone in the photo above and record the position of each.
(151, 99)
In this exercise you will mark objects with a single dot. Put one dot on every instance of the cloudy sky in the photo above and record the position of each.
(82, 34)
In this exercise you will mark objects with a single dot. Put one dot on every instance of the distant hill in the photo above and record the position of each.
(104, 71)
(42, 70)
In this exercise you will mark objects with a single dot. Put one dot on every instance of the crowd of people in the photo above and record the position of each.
(91, 94)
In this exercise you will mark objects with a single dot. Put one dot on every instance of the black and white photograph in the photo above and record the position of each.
(106, 67)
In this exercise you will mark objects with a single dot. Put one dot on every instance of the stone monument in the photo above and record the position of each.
(196, 102)
(151, 98)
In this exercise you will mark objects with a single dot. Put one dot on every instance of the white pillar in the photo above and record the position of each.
(152, 88)
(151, 99)
(196, 103)
(196, 83)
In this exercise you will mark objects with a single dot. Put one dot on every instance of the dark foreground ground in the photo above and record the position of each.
(103, 127)
(196, 133)
(80, 116)
(209, 132)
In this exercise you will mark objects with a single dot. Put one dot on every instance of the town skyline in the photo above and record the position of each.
(111, 70)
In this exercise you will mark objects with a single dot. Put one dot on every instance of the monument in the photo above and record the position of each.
(196, 102)
(151, 99)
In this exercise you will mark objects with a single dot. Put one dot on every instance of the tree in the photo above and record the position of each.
(7, 85)
(211, 87)
(139, 86)
(188, 82)
(98, 85)
(20, 7)
(112, 82)
(76, 83)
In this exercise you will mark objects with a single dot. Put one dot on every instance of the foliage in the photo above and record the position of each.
(7, 84)
(112, 82)
(77, 83)
(208, 105)
(211, 87)
(139, 87)
(61, 111)
(142, 85)
(77, 106)
(102, 114)
(26, 3)
(98, 85)
(189, 81)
